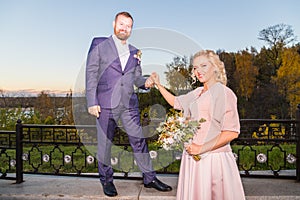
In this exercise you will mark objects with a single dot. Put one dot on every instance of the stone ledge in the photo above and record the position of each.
(40, 187)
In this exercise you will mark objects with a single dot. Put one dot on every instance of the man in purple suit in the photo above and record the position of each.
(112, 70)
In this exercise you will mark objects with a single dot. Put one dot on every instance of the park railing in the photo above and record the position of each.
(264, 148)
(7, 154)
(268, 146)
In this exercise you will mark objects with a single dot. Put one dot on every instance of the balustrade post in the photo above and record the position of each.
(19, 152)
(298, 143)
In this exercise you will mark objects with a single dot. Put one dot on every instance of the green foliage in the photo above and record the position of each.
(288, 78)
(44, 111)
(49, 120)
(9, 117)
(245, 74)
(178, 75)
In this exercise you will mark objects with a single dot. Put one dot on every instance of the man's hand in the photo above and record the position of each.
(94, 110)
(149, 83)
(155, 78)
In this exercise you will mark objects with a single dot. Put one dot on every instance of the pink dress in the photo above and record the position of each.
(215, 176)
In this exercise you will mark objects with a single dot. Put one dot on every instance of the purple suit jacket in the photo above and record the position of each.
(106, 84)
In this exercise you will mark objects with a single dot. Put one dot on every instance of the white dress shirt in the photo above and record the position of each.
(123, 51)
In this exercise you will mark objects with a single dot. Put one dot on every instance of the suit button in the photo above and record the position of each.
(121, 84)
(122, 74)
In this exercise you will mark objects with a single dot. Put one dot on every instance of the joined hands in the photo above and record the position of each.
(155, 78)
(152, 80)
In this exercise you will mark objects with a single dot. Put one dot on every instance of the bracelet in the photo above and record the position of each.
(197, 157)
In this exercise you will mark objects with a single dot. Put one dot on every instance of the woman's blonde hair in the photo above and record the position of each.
(214, 59)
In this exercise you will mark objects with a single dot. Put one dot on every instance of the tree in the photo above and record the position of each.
(245, 74)
(288, 78)
(64, 111)
(178, 75)
(278, 34)
(44, 108)
(9, 117)
(245, 77)
(229, 61)
(277, 37)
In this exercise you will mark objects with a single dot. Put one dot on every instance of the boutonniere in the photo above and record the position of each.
(138, 56)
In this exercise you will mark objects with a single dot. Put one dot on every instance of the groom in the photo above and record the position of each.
(112, 69)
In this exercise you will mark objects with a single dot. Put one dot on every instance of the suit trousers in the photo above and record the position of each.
(106, 126)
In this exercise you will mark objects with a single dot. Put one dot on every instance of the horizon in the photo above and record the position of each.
(34, 93)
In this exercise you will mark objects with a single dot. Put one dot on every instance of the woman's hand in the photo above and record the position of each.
(155, 78)
(193, 149)
(219, 141)
(169, 97)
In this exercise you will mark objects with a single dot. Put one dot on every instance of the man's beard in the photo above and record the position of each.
(122, 36)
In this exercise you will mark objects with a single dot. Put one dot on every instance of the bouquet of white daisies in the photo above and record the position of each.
(175, 131)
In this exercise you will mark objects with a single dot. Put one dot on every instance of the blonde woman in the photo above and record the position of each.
(215, 175)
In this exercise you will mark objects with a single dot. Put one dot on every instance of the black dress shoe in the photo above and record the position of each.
(109, 189)
(157, 184)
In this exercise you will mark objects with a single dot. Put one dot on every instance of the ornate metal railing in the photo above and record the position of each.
(7, 154)
(267, 145)
(263, 145)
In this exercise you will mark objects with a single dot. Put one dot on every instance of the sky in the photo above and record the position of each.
(44, 44)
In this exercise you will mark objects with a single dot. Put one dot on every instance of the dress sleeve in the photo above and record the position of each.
(182, 102)
(224, 110)
(231, 120)
(179, 102)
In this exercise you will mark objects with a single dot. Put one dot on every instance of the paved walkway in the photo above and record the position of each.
(41, 187)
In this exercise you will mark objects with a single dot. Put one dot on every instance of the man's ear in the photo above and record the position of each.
(114, 23)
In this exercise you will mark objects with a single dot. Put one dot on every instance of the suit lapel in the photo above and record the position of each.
(132, 51)
(115, 55)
